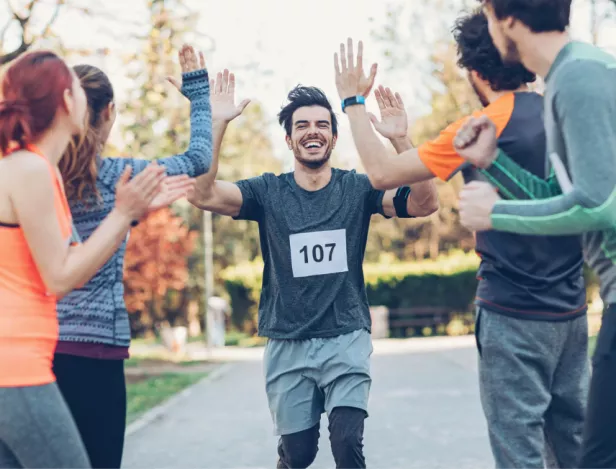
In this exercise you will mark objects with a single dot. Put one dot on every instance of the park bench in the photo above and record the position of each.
(404, 320)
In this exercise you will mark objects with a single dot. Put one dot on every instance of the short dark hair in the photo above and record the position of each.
(541, 16)
(477, 52)
(303, 96)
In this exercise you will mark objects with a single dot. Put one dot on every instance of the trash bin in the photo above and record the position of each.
(380, 322)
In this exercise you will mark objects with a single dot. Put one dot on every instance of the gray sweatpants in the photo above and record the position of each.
(37, 430)
(533, 378)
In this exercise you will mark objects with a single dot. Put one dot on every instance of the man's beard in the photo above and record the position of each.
(512, 54)
(310, 163)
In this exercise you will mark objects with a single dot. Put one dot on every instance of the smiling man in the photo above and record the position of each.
(313, 224)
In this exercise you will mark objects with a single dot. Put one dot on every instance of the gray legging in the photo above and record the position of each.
(37, 430)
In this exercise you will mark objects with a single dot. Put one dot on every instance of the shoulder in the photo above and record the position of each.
(500, 111)
(23, 166)
(352, 180)
(583, 82)
(585, 72)
(25, 174)
(260, 183)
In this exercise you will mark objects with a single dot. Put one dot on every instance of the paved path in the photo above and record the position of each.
(424, 407)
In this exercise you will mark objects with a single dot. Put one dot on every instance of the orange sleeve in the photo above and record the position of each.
(439, 155)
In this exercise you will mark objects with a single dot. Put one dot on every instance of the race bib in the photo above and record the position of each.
(318, 253)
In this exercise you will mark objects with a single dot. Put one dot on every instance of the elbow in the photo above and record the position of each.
(381, 182)
(428, 208)
(200, 155)
(58, 287)
(206, 162)
(199, 199)
(428, 205)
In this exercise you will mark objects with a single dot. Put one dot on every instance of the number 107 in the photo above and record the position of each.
(318, 253)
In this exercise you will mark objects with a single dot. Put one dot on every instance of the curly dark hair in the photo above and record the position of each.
(302, 96)
(477, 52)
(539, 15)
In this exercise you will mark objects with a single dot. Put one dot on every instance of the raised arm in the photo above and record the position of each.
(63, 267)
(197, 159)
(385, 171)
(420, 199)
(222, 197)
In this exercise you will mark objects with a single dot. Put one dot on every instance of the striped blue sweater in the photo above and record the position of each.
(96, 313)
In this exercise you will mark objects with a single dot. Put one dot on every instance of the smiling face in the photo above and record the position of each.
(311, 139)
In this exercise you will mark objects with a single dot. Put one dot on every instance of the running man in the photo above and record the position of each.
(314, 225)
(531, 326)
(579, 195)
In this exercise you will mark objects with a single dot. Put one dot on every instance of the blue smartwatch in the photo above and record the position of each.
(352, 101)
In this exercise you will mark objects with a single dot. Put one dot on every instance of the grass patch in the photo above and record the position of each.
(149, 361)
(151, 391)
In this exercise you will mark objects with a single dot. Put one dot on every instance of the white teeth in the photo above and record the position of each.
(313, 145)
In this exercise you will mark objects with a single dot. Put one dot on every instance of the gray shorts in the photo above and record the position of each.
(304, 378)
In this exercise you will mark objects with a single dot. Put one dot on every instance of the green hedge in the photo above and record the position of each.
(448, 281)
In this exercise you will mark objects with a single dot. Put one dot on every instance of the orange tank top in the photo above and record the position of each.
(28, 320)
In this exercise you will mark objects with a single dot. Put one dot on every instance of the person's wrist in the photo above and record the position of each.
(219, 123)
(401, 144)
(353, 101)
(487, 162)
(123, 217)
(398, 139)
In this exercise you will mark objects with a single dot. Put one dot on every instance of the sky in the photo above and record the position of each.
(290, 41)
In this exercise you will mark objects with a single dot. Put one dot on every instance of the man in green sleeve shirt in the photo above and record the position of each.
(579, 197)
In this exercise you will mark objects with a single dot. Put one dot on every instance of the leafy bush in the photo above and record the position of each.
(447, 281)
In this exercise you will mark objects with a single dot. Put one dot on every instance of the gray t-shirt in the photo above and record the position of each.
(313, 245)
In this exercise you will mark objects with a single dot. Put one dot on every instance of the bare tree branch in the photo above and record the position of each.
(24, 23)
(6, 58)
(54, 17)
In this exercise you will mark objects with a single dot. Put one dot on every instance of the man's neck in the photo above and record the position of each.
(496, 95)
(312, 179)
(539, 52)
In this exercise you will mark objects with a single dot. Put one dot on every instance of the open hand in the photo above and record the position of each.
(477, 200)
(173, 188)
(189, 62)
(476, 141)
(222, 97)
(394, 123)
(134, 196)
(350, 78)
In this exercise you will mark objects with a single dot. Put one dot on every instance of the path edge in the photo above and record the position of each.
(161, 409)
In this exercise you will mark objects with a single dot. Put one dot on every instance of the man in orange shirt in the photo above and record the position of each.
(531, 302)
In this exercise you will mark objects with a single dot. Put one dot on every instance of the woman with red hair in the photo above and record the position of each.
(43, 106)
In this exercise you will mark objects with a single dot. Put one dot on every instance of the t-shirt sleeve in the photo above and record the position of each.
(253, 191)
(440, 156)
(374, 197)
(375, 201)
